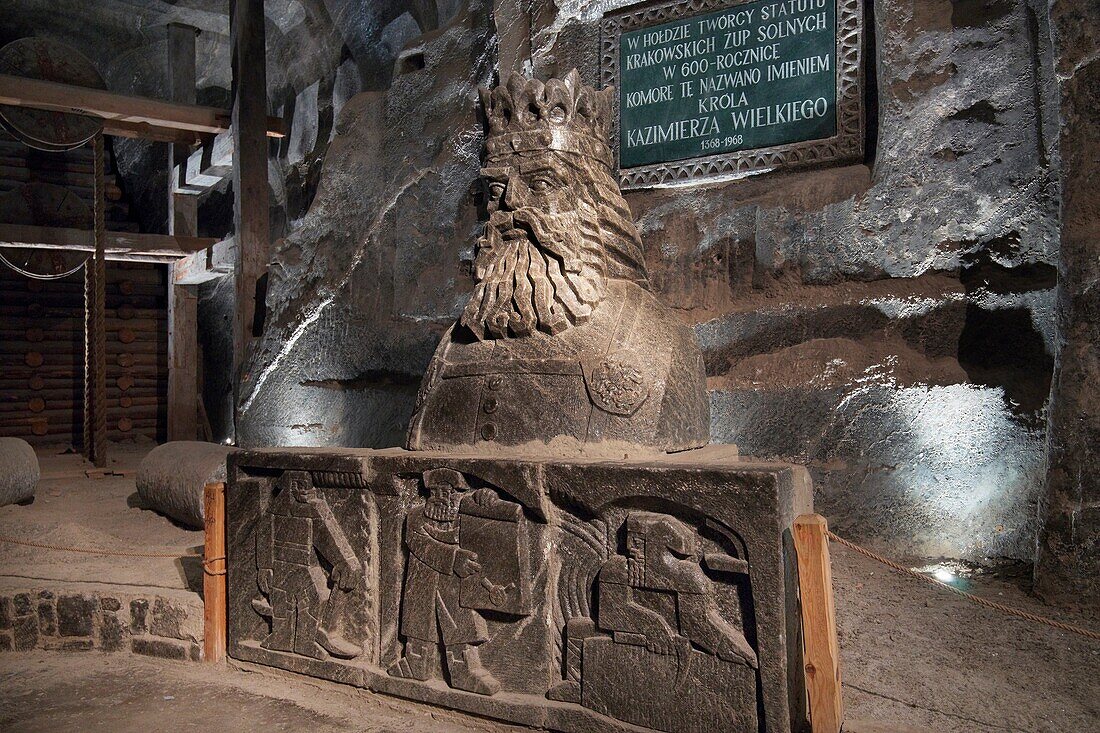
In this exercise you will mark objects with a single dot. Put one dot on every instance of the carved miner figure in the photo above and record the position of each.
(662, 563)
(446, 580)
(562, 337)
(299, 527)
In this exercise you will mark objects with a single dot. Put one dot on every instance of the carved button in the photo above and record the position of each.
(495, 381)
(488, 431)
(489, 405)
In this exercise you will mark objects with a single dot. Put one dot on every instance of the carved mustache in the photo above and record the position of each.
(550, 235)
(532, 272)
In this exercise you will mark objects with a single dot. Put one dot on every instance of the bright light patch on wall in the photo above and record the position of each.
(948, 572)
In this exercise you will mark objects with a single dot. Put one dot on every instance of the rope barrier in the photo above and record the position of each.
(210, 561)
(901, 569)
(88, 551)
(1034, 618)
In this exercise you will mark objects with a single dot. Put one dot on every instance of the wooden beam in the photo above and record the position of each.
(22, 92)
(127, 246)
(210, 264)
(821, 650)
(183, 219)
(206, 167)
(145, 131)
(214, 569)
(183, 376)
(251, 200)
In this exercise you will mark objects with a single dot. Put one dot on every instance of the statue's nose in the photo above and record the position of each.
(516, 194)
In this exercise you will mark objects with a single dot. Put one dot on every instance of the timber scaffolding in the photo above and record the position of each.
(208, 145)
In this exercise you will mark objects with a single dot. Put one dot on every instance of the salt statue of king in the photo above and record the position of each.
(562, 341)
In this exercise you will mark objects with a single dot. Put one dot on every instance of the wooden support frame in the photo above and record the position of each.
(121, 109)
(209, 264)
(821, 649)
(205, 168)
(119, 246)
(214, 572)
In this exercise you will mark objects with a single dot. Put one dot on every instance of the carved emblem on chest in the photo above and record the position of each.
(615, 385)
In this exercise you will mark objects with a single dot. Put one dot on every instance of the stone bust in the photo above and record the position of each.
(562, 341)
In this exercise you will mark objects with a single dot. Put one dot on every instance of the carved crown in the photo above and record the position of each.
(560, 114)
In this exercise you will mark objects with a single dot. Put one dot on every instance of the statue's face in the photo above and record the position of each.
(540, 181)
(540, 264)
(301, 490)
(442, 504)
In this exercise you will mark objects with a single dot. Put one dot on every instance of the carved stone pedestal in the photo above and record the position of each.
(563, 593)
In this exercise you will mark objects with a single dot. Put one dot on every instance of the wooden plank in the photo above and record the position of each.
(201, 267)
(821, 650)
(250, 191)
(214, 569)
(118, 246)
(153, 133)
(22, 92)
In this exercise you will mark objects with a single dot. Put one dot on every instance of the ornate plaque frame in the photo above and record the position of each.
(846, 146)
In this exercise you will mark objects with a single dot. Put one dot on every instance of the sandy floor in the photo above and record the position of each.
(110, 517)
(912, 654)
(917, 655)
(49, 692)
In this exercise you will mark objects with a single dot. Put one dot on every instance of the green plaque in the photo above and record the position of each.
(729, 86)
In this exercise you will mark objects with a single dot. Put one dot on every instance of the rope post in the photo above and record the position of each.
(821, 649)
(214, 570)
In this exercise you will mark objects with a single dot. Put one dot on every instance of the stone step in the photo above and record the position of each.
(160, 622)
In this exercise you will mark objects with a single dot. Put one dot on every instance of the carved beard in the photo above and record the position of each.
(442, 508)
(536, 271)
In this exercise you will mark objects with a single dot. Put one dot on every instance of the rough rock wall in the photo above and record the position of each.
(1069, 547)
(890, 324)
(364, 285)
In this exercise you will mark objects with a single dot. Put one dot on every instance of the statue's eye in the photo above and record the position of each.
(496, 189)
(542, 184)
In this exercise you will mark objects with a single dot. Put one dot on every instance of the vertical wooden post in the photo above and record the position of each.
(214, 570)
(820, 645)
(183, 396)
(250, 190)
(95, 337)
(183, 326)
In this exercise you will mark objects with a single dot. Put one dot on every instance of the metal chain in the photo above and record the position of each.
(1035, 618)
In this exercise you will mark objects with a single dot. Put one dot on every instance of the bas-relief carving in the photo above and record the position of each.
(297, 535)
(508, 586)
(658, 610)
(467, 552)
